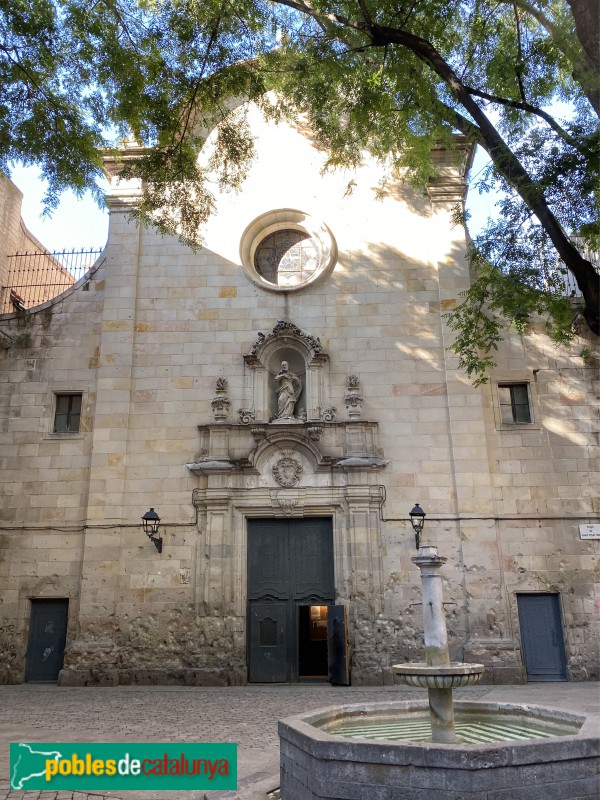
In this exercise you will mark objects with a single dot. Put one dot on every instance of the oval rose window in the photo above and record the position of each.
(286, 250)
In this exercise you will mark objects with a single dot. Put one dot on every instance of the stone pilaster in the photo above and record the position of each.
(93, 656)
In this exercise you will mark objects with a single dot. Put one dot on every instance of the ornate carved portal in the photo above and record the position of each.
(304, 463)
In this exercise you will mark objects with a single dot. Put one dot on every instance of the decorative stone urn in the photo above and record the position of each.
(220, 403)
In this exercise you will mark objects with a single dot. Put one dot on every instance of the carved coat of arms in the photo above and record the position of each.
(287, 472)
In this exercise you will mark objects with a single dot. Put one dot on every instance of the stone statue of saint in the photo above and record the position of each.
(288, 391)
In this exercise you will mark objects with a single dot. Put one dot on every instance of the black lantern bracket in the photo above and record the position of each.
(417, 518)
(150, 523)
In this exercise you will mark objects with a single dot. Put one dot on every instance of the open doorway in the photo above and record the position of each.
(312, 643)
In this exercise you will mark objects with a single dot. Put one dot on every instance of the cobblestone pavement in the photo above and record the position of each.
(246, 715)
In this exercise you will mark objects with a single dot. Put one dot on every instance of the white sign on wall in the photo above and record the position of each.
(589, 531)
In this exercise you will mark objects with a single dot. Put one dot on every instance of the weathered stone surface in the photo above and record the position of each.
(316, 764)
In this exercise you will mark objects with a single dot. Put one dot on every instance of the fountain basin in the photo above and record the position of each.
(327, 754)
(424, 676)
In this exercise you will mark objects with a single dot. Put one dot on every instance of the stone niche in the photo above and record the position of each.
(306, 359)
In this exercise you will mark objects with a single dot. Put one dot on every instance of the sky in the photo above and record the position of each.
(80, 223)
(76, 223)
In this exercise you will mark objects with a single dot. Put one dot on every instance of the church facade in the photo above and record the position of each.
(280, 400)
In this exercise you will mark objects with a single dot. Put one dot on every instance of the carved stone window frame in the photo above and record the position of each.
(288, 219)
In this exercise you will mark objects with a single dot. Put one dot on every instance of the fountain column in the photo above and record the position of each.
(436, 642)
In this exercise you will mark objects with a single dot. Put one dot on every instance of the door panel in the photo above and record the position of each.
(268, 646)
(288, 561)
(267, 559)
(337, 646)
(312, 555)
(47, 637)
(542, 637)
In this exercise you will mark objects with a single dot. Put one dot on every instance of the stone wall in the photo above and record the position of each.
(10, 229)
(16, 238)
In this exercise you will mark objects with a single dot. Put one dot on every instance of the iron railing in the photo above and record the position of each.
(33, 278)
(571, 287)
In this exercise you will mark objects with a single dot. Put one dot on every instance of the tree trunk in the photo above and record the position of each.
(587, 25)
(586, 14)
(507, 164)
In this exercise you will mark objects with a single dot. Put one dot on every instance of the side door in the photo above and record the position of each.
(47, 638)
(542, 637)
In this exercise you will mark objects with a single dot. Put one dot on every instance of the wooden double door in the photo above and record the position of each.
(294, 629)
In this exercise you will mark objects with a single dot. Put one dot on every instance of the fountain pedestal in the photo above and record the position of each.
(437, 674)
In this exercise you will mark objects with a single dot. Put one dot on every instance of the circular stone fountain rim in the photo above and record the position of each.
(455, 668)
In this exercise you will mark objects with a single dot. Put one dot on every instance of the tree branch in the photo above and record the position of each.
(582, 64)
(307, 8)
(365, 12)
(485, 133)
(524, 106)
(519, 66)
(192, 101)
(506, 164)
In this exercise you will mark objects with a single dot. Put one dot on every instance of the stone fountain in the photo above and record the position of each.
(437, 674)
(441, 750)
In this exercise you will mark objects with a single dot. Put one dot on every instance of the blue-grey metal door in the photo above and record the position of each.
(47, 637)
(542, 637)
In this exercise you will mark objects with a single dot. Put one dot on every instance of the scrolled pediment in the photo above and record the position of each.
(281, 333)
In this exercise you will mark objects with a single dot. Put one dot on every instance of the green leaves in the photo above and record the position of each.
(396, 79)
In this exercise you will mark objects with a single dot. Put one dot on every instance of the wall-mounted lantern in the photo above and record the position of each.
(150, 522)
(417, 518)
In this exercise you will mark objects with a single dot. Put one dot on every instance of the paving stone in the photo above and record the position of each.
(247, 715)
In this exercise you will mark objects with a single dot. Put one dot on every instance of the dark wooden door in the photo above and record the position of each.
(47, 637)
(542, 637)
(290, 563)
(268, 643)
(338, 654)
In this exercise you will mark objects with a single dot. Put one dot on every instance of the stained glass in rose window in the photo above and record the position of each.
(286, 258)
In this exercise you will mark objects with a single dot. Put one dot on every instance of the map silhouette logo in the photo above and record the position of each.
(27, 763)
(121, 766)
